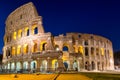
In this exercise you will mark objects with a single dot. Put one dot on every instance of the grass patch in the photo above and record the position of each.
(102, 76)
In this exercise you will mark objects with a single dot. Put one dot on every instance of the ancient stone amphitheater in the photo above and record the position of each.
(27, 47)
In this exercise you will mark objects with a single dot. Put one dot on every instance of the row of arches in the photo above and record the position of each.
(33, 65)
(25, 49)
(18, 34)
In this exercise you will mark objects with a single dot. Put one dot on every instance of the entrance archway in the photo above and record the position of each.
(25, 66)
(18, 66)
(43, 66)
(75, 65)
(33, 65)
(12, 66)
(65, 65)
(54, 64)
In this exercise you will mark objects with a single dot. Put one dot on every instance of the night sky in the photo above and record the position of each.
(101, 17)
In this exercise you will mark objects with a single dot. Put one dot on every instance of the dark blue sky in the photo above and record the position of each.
(101, 17)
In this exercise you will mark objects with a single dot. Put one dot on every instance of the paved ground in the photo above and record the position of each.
(44, 77)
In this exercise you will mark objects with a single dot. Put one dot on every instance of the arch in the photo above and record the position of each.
(43, 66)
(66, 65)
(34, 47)
(97, 51)
(87, 65)
(18, 50)
(12, 66)
(33, 65)
(93, 65)
(18, 66)
(92, 51)
(14, 35)
(80, 50)
(25, 48)
(75, 65)
(54, 64)
(43, 45)
(102, 51)
(34, 29)
(19, 33)
(57, 48)
(86, 43)
(8, 66)
(65, 47)
(25, 65)
(13, 51)
(27, 31)
(86, 51)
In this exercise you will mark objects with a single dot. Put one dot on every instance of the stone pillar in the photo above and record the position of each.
(49, 64)
(29, 66)
(30, 29)
(15, 66)
(71, 64)
(38, 64)
(60, 64)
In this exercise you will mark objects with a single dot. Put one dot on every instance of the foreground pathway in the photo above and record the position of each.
(44, 77)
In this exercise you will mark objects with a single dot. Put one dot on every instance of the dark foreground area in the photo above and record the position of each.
(102, 76)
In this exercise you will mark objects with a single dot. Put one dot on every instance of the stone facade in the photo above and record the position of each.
(28, 48)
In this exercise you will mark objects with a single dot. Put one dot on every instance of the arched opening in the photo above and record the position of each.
(54, 64)
(43, 66)
(27, 31)
(86, 51)
(43, 46)
(57, 48)
(33, 65)
(86, 43)
(34, 47)
(18, 50)
(97, 51)
(75, 65)
(65, 48)
(12, 66)
(87, 65)
(8, 66)
(80, 50)
(14, 35)
(25, 48)
(92, 51)
(36, 30)
(19, 33)
(13, 51)
(18, 66)
(65, 65)
(93, 65)
(25, 66)
(102, 51)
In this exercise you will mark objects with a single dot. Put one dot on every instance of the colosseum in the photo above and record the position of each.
(27, 47)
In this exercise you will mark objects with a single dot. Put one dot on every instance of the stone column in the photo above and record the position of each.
(29, 66)
(38, 64)
(60, 64)
(15, 66)
(49, 64)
